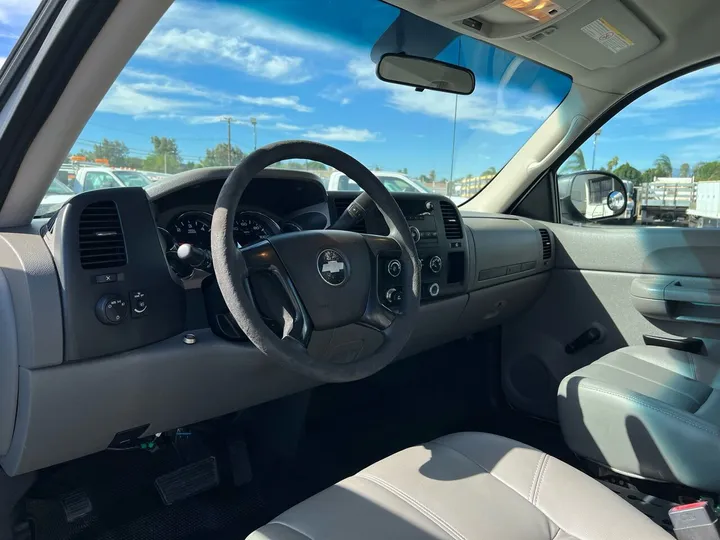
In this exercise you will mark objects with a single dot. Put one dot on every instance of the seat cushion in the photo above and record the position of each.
(648, 412)
(463, 487)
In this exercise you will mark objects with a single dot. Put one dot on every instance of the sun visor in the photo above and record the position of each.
(592, 33)
(603, 34)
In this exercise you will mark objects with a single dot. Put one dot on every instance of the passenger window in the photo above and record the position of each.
(664, 148)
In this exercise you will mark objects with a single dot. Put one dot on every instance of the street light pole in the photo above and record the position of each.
(229, 153)
(253, 121)
(597, 134)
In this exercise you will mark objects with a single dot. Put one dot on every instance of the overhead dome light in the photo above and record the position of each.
(538, 10)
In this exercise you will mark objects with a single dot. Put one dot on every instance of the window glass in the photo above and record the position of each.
(664, 148)
(216, 79)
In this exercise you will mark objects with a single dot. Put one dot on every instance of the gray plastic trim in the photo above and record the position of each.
(673, 251)
(30, 272)
(76, 409)
(8, 366)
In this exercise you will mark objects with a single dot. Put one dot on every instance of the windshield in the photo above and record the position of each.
(58, 188)
(132, 179)
(217, 79)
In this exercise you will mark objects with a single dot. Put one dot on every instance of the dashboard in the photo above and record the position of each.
(126, 313)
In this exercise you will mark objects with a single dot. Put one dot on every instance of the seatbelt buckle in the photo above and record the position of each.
(695, 521)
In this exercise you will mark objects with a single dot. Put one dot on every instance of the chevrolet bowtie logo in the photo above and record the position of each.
(333, 267)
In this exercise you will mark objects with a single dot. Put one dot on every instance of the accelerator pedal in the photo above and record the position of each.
(187, 481)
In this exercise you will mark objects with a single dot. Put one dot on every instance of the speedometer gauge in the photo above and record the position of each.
(192, 228)
(252, 227)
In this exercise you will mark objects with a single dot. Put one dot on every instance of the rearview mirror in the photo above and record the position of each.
(591, 196)
(425, 73)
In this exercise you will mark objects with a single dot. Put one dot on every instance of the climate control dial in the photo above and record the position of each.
(111, 309)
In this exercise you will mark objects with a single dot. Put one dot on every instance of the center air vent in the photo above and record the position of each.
(546, 244)
(101, 238)
(340, 206)
(451, 220)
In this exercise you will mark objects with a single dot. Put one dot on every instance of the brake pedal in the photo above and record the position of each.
(187, 481)
(77, 505)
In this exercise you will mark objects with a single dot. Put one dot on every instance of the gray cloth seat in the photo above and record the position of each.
(647, 412)
(465, 486)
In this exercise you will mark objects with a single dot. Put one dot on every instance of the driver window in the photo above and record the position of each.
(664, 148)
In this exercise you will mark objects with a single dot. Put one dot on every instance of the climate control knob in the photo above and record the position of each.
(435, 264)
(394, 268)
(415, 233)
(111, 309)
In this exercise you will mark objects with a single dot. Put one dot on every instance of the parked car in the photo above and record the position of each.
(393, 181)
(90, 179)
(55, 197)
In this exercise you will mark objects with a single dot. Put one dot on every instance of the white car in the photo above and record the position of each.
(393, 181)
(54, 198)
(92, 178)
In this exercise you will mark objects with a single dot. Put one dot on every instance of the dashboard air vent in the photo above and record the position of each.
(102, 244)
(340, 206)
(451, 220)
(546, 244)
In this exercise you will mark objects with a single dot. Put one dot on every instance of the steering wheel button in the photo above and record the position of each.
(394, 268)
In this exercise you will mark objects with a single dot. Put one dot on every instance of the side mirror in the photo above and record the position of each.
(591, 196)
(425, 73)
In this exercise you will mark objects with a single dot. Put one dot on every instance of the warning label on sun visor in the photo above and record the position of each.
(607, 35)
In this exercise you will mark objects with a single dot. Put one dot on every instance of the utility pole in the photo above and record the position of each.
(229, 122)
(253, 121)
(597, 134)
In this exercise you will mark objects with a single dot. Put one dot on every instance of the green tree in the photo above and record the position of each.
(432, 175)
(647, 176)
(707, 171)
(116, 152)
(218, 156)
(684, 170)
(612, 163)
(627, 172)
(575, 163)
(165, 156)
(490, 171)
(663, 166)
(315, 166)
(403, 170)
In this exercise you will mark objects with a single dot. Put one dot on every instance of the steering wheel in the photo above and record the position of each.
(324, 284)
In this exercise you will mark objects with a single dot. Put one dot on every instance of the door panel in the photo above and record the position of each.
(597, 269)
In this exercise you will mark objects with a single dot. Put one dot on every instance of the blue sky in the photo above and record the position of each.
(310, 76)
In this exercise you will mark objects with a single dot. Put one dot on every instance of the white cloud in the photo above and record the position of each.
(123, 99)
(288, 127)
(17, 12)
(501, 127)
(204, 47)
(337, 94)
(690, 133)
(341, 133)
(286, 102)
(231, 21)
(142, 93)
(666, 97)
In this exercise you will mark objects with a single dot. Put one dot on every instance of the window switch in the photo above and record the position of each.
(138, 304)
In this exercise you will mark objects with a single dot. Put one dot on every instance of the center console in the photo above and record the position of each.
(438, 233)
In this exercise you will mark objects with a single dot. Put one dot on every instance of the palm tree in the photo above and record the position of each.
(613, 163)
(684, 170)
(490, 171)
(576, 162)
(663, 166)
